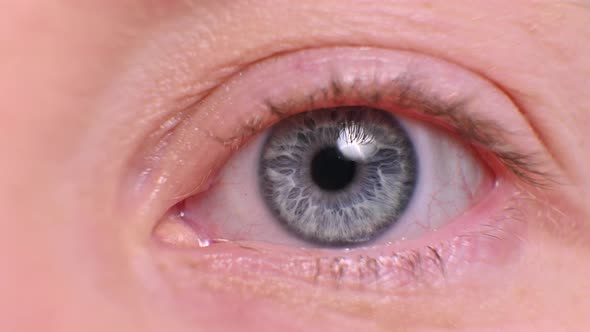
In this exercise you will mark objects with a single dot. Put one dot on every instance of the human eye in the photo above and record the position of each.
(266, 184)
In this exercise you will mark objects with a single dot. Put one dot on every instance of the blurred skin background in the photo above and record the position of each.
(117, 115)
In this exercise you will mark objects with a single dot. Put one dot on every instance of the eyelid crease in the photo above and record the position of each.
(405, 95)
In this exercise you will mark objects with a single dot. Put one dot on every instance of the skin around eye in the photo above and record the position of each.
(480, 246)
(228, 237)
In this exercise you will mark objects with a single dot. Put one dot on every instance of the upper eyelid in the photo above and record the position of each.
(519, 153)
(405, 93)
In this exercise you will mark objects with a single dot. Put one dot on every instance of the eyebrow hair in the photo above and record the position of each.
(404, 93)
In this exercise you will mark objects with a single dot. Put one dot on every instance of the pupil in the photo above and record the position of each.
(331, 170)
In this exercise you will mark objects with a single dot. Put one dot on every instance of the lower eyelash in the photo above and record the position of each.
(470, 251)
(385, 271)
(362, 273)
(239, 263)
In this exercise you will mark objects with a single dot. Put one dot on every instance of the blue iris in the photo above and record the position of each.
(338, 176)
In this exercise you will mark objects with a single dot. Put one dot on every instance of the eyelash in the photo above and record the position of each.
(395, 271)
(361, 271)
(405, 97)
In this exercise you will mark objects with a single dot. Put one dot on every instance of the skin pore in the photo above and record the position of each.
(100, 101)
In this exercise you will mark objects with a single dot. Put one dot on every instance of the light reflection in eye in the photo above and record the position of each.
(318, 193)
(356, 143)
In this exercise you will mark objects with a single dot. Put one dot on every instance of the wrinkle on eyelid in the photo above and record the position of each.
(218, 28)
(556, 118)
(547, 17)
(327, 24)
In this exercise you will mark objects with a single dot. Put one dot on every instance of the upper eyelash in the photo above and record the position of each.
(480, 131)
(404, 93)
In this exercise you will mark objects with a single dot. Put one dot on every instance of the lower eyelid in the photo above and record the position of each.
(486, 239)
(472, 246)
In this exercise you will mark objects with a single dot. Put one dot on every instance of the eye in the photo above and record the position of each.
(340, 177)
(347, 164)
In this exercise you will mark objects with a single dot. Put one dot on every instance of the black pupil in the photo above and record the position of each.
(331, 170)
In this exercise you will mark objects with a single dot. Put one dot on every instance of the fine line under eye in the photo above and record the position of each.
(405, 95)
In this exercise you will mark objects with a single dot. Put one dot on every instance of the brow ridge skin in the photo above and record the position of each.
(404, 94)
